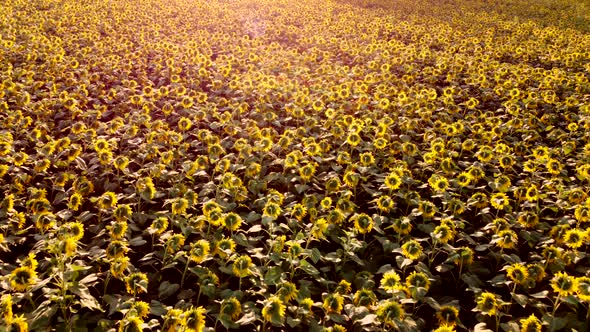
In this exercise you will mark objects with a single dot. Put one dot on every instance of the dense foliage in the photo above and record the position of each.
(294, 165)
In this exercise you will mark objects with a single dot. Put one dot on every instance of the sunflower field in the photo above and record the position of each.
(282, 165)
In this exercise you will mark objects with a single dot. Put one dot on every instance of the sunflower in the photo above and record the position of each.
(117, 229)
(532, 193)
(116, 249)
(136, 283)
(232, 221)
(385, 203)
(417, 280)
(179, 206)
(252, 170)
(175, 243)
(448, 315)
(553, 166)
(299, 211)
(582, 213)
(241, 266)
(306, 305)
(343, 287)
(6, 307)
(18, 324)
(428, 209)
(463, 256)
(391, 281)
(231, 308)
(464, 179)
(583, 289)
(353, 139)
(574, 238)
(306, 172)
(439, 184)
(499, 201)
(140, 308)
(272, 210)
(443, 233)
(225, 247)
(118, 266)
(445, 328)
(479, 200)
(563, 284)
(412, 249)
(287, 291)
(159, 225)
(402, 226)
(326, 203)
(333, 185)
(488, 304)
(485, 154)
(199, 251)
(274, 310)
(528, 219)
(530, 324)
(194, 319)
(319, 228)
(333, 303)
(502, 183)
(518, 273)
(393, 181)
(506, 161)
(391, 313)
(364, 297)
(22, 278)
(363, 223)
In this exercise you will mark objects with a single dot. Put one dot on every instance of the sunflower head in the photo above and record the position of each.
(530, 324)
(563, 284)
(391, 313)
(333, 303)
(488, 303)
(22, 278)
(448, 315)
(274, 310)
(231, 308)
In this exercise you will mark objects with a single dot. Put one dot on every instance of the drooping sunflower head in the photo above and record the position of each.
(412, 249)
(391, 312)
(448, 315)
(231, 308)
(22, 278)
(488, 304)
(530, 324)
(194, 319)
(333, 303)
(242, 266)
(518, 273)
(363, 223)
(274, 310)
(563, 284)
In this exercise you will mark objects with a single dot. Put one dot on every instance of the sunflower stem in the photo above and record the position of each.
(184, 272)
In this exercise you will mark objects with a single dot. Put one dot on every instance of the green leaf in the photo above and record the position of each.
(540, 295)
(316, 255)
(384, 268)
(89, 301)
(247, 319)
(42, 316)
(368, 319)
(293, 322)
(472, 280)
(308, 268)
(157, 308)
(166, 289)
(520, 299)
(273, 275)
(510, 327)
(481, 327)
